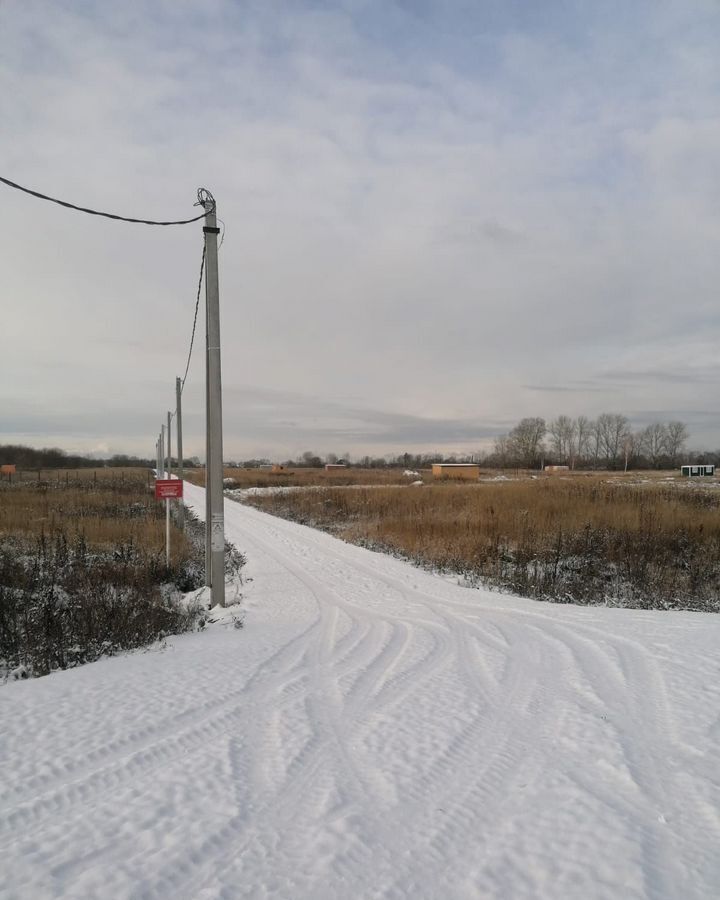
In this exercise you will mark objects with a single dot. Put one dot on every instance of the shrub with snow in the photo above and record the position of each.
(63, 604)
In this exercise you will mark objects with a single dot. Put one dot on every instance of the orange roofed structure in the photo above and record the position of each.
(456, 471)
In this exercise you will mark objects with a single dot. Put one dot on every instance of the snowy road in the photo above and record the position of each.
(373, 731)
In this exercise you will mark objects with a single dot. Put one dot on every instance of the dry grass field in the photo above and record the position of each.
(631, 540)
(247, 478)
(114, 474)
(83, 571)
(107, 506)
(356, 476)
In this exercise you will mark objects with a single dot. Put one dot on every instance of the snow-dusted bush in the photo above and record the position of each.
(63, 604)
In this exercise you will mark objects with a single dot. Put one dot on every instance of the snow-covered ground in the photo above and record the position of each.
(373, 731)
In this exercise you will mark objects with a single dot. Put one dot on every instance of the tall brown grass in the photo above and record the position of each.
(575, 540)
(83, 572)
(305, 477)
(246, 478)
(115, 509)
(115, 474)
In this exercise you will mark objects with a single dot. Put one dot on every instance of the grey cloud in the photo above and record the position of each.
(264, 412)
(565, 388)
(405, 231)
(500, 234)
(704, 375)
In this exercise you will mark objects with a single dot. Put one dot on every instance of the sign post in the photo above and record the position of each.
(168, 489)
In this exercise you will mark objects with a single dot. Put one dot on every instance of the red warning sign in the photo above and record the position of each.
(168, 488)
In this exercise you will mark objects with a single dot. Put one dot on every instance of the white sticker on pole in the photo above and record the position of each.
(217, 532)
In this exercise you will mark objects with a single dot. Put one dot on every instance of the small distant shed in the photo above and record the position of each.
(551, 469)
(7, 469)
(695, 471)
(265, 467)
(338, 465)
(457, 471)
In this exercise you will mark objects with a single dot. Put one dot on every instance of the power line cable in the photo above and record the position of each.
(197, 306)
(95, 212)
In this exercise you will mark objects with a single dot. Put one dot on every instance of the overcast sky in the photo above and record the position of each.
(441, 216)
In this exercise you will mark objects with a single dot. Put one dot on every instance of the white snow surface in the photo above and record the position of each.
(372, 732)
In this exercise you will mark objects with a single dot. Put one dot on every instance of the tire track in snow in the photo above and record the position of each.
(632, 692)
(611, 679)
(492, 739)
(313, 768)
(122, 761)
(281, 806)
(325, 717)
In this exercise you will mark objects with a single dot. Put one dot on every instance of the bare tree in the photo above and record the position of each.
(502, 449)
(526, 441)
(595, 441)
(562, 438)
(654, 442)
(631, 445)
(612, 429)
(556, 441)
(583, 431)
(676, 435)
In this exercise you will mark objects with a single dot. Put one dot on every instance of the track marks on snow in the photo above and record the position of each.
(394, 704)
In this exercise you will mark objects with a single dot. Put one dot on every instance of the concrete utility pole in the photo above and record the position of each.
(208, 502)
(214, 459)
(169, 447)
(161, 473)
(178, 424)
(167, 501)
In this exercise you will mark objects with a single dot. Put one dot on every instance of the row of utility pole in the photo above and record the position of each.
(214, 511)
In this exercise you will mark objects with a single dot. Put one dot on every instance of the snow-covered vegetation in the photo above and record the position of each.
(373, 731)
(83, 571)
(578, 540)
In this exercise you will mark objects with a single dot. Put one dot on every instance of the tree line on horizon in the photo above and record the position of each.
(607, 442)
(32, 458)
(54, 458)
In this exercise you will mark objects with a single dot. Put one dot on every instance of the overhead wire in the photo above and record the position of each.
(203, 196)
(197, 306)
(96, 212)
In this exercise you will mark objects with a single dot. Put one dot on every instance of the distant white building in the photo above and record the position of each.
(694, 471)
